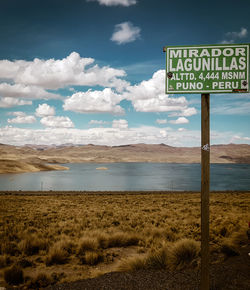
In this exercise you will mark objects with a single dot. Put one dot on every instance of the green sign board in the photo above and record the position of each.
(207, 69)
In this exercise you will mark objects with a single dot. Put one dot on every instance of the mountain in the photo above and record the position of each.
(39, 157)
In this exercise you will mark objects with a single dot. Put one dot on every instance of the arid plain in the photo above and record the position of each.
(48, 238)
(53, 238)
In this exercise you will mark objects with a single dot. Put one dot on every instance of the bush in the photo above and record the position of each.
(229, 249)
(40, 281)
(32, 244)
(4, 261)
(121, 239)
(13, 275)
(24, 263)
(157, 259)
(132, 264)
(10, 248)
(56, 255)
(92, 258)
(184, 253)
(87, 244)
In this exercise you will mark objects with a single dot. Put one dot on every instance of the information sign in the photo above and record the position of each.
(207, 69)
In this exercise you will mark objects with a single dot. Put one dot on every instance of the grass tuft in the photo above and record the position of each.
(14, 275)
(157, 259)
(87, 244)
(229, 249)
(184, 253)
(4, 261)
(92, 258)
(32, 244)
(132, 264)
(41, 280)
(122, 239)
(56, 255)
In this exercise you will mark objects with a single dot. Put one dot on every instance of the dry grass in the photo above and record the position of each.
(78, 236)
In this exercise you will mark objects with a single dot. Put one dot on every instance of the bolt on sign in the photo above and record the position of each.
(207, 69)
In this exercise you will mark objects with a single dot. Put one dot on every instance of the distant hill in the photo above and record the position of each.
(39, 157)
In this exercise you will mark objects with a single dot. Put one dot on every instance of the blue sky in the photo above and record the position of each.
(93, 71)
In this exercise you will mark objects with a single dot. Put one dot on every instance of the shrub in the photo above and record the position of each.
(13, 275)
(121, 239)
(4, 261)
(184, 253)
(92, 258)
(102, 240)
(40, 281)
(10, 248)
(132, 264)
(157, 259)
(56, 255)
(87, 244)
(67, 245)
(32, 244)
(229, 249)
(24, 263)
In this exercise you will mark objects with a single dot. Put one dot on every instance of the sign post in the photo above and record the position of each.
(205, 183)
(206, 69)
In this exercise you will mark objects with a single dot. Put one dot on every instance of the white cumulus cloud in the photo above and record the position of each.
(25, 92)
(161, 121)
(180, 120)
(120, 124)
(44, 110)
(98, 122)
(125, 3)
(55, 74)
(57, 122)
(100, 136)
(21, 118)
(105, 101)
(149, 96)
(8, 102)
(125, 32)
(231, 37)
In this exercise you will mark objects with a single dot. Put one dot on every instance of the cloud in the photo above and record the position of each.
(231, 37)
(149, 96)
(57, 122)
(161, 121)
(98, 122)
(240, 139)
(120, 124)
(105, 101)
(25, 91)
(100, 136)
(12, 102)
(55, 74)
(44, 110)
(187, 112)
(21, 118)
(180, 120)
(125, 32)
(114, 136)
(125, 3)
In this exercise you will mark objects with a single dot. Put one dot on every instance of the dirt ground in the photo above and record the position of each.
(233, 274)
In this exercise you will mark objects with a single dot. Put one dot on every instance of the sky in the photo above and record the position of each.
(93, 71)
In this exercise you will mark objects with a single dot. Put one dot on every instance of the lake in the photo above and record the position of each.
(130, 177)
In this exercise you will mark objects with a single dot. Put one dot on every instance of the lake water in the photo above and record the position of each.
(130, 177)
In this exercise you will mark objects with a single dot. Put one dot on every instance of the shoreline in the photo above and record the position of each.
(74, 192)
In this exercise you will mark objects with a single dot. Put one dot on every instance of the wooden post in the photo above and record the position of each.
(205, 183)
